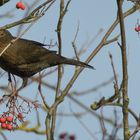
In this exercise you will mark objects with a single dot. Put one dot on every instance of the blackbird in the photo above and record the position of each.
(25, 58)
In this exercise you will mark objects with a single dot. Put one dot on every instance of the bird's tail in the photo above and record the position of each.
(68, 61)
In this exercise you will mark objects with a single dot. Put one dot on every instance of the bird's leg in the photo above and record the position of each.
(9, 77)
(24, 83)
(9, 80)
(10, 84)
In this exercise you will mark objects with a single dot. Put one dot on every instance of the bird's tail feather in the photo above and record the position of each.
(75, 62)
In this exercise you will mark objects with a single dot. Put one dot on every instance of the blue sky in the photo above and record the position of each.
(91, 16)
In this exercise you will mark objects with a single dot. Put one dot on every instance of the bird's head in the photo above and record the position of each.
(5, 36)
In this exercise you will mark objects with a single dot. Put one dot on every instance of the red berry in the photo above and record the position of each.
(72, 137)
(9, 118)
(9, 126)
(3, 125)
(137, 29)
(22, 7)
(18, 5)
(2, 120)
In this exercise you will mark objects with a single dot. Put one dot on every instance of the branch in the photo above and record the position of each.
(33, 16)
(125, 72)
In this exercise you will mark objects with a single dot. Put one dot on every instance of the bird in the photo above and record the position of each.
(24, 58)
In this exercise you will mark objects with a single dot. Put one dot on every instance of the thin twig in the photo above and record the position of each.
(73, 43)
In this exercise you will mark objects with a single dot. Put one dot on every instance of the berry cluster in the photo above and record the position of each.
(6, 122)
(20, 5)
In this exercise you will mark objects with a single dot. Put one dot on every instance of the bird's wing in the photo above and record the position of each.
(35, 42)
(29, 51)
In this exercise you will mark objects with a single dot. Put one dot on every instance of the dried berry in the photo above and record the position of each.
(63, 135)
(72, 137)
(20, 116)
